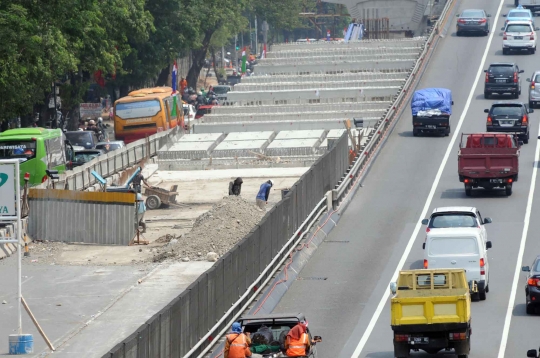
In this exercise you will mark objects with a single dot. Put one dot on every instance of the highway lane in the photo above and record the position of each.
(382, 217)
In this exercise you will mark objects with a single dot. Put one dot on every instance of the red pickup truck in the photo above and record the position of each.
(489, 161)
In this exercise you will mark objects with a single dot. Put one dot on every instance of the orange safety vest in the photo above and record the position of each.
(237, 345)
(297, 348)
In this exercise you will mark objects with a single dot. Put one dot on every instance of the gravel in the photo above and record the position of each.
(216, 231)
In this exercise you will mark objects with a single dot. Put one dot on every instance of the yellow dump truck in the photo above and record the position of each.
(431, 311)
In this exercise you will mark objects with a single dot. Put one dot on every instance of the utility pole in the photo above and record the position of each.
(256, 37)
(265, 29)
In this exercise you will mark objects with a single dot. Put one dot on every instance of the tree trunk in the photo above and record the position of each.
(198, 59)
(163, 77)
(215, 67)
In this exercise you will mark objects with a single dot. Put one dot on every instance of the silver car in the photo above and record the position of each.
(534, 89)
(472, 20)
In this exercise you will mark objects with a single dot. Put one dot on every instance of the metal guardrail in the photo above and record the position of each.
(364, 156)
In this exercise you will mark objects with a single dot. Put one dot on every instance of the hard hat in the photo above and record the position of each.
(100, 119)
(271, 182)
(91, 122)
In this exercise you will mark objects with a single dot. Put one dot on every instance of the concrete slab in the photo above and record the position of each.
(191, 146)
(335, 133)
(207, 137)
(287, 147)
(309, 134)
(240, 144)
(237, 136)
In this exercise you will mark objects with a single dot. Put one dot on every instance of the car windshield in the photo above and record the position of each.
(23, 150)
(519, 14)
(501, 70)
(472, 13)
(221, 90)
(452, 220)
(518, 28)
(537, 78)
(506, 110)
(82, 138)
(536, 266)
(85, 157)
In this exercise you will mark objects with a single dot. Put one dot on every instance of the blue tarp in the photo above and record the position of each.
(432, 98)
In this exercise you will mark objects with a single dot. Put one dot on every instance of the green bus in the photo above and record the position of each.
(37, 149)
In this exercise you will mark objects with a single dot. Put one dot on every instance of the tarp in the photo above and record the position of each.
(429, 99)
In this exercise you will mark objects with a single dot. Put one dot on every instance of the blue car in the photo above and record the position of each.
(520, 14)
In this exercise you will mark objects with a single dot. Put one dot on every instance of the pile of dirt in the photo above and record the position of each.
(217, 230)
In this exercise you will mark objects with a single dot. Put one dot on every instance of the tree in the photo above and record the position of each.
(211, 16)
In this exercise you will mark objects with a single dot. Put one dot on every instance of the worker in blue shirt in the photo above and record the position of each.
(262, 195)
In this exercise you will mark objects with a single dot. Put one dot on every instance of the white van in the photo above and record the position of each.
(460, 248)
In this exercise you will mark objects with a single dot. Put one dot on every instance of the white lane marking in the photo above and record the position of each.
(511, 302)
(412, 239)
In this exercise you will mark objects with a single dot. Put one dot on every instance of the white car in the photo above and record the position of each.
(189, 114)
(457, 217)
(460, 248)
(519, 35)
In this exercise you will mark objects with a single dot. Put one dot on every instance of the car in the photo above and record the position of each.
(532, 288)
(462, 248)
(534, 89)
(457, 217)
(510, 117)
(520, 14)
(533, 353)
(84, 156)
(189, 113)
(113, 145)
(472, 20)
(86, 139)
(502, 78)
(519, 35)
(221, 93)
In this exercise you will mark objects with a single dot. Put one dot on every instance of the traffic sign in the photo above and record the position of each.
(7, 189)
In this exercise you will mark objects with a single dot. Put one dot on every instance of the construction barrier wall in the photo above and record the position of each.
(174, 330)
(61, 214)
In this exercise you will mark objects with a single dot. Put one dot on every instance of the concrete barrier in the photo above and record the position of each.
(338, 67)
(265, 117)
(293, 46)
(295, 108)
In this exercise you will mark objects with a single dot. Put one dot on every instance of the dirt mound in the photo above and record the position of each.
(217, 230)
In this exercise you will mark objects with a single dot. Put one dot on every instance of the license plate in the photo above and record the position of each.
(418, 340)
(495, 180)
(507, 122)
(518, 37)
(431, 127)
(501, 81)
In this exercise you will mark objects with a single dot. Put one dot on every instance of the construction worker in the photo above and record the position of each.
(264, 192)
(237, 343)
(297, 342)
(183, 85)
(138, 180)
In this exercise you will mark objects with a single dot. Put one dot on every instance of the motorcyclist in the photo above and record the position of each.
(101, 126)
(93, 127)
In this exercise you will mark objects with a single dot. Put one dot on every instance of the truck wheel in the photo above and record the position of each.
(468, 190)
(481, 293)
(415, 133)
(509, 190)
(447, 133)
(463, 356)
(530, 309)
(526, 139)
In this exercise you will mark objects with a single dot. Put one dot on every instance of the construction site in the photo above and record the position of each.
(305, 104)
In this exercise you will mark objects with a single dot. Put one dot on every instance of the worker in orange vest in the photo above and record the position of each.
(297, 343)
(237, 343)
(183, 85)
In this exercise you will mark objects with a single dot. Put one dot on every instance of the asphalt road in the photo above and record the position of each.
(381, 221)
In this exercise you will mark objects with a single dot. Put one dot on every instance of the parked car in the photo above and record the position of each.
(189, 114)
(457, 217)
(113, 145)
(473, 20)
(519, 35)
(502, 78)
(84, 156)
(509, 117)
(534, 89)
(86, 139)
(520, 14)
(221, 93)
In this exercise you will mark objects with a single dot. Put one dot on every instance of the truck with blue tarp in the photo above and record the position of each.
(431, 110)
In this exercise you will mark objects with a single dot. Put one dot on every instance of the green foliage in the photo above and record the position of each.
(280, 14)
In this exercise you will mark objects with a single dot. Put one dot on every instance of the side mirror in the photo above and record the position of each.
(485, 71)
(424, 246)
(502, 28)
(425, 221)
(452, 103)
(525, 269)
(487, 221)
(521, 71)
(528, 80)
(504, 15)
(532, 353)
(489, 15)
(317, 339)
(488, 245)
(536, 28)
(457, 15)
(486, 110)
(531, 110)
(393, 287)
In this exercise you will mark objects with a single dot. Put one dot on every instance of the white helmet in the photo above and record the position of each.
(271, 182)
(100, 119)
